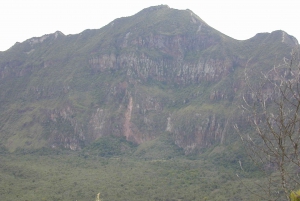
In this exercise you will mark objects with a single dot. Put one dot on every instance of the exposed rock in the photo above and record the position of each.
(164, 70)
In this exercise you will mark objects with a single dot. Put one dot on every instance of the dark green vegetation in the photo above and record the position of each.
(140, 109)
(63, 175)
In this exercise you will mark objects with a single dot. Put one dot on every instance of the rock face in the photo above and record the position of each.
(165, 70)
(161, 70)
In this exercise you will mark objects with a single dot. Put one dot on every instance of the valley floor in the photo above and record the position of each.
(72, 176)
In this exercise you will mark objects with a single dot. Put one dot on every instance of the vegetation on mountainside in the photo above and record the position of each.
(41, 77)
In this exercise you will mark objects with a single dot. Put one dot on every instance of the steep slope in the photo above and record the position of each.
(159, 71)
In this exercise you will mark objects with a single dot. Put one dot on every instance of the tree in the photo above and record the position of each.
(272, 107)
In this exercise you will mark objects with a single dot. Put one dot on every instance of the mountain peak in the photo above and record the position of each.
(153, 8)
(286, 38)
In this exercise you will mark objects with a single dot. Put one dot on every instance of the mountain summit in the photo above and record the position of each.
(159, 72)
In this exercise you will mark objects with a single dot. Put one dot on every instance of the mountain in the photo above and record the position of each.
(161, 72)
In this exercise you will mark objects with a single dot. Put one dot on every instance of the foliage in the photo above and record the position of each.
(295, 195)
(162, 148)
(72, 176)
(109, 146)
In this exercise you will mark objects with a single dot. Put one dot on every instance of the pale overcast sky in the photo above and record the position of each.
(240, 19)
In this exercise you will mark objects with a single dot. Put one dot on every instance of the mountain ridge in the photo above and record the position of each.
(150, 10)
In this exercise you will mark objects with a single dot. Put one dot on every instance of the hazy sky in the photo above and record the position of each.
(240, 19)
